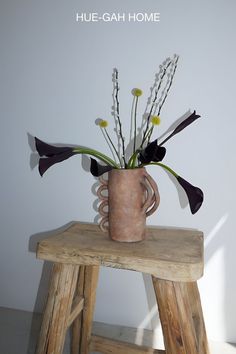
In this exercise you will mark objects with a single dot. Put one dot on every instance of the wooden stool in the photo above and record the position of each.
(174, 258)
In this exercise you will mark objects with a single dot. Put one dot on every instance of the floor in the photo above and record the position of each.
(19, 331)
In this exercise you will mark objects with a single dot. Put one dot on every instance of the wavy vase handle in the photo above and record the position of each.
(153, 196)
(127, 189)
(103, 224)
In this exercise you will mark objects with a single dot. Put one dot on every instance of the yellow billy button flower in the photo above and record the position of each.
(155, 120)
(137, 92)
(103, 123)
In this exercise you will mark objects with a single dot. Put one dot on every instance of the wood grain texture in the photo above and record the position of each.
(181, 317)
(90, 287)
(168, 312)
(76, 325)
(167, 253)
(198, 319)
(110, 346)
(57, 310)
(76, 310)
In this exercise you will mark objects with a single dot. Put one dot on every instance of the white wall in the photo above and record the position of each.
(55, 80)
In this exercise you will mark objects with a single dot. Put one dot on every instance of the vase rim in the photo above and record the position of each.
(127, 169)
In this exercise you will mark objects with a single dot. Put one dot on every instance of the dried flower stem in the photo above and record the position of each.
(150, 134)
(117, 111)
(153, 103)
(168, 88)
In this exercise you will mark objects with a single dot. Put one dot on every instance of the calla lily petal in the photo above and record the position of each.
(97, 170)
(160, 154)
(46, 162)
(51, 154)
(182, 125)
(45, 149)
(152, 152)
(194, 194)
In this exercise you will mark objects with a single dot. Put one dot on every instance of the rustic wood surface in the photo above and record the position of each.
(181, 317)
(76, 325)
(198, 319)
(167, 253)
(57, 310)
(90, 287)
(76, 309)
(110, 346)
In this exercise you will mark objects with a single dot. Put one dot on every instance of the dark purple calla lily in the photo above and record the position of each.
(46, 162)
(54, 154)
(45, 149)
(51, 154)
(182, 126)
(194, 194)
(152, 152)
(97, 170)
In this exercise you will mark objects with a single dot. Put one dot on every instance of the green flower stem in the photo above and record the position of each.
(135, 123)
(97, 154)
(162, 165)
(132, 160)
(109, 139)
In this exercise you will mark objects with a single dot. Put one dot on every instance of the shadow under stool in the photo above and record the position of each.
(172, 256)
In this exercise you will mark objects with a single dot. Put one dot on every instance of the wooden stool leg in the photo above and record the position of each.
(181, 317)
(57, 310)
(198, 319)
(90, 286)
(76, 326)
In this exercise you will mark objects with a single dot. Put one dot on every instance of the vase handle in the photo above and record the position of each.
(103, 224)
(153, 196)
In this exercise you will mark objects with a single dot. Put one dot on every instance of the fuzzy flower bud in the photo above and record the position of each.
(155, 120)
(103, 123)
(137, 92)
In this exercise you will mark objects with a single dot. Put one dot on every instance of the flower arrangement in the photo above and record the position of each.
(143, 150)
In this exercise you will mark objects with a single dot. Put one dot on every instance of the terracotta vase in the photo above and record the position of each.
(132, 196)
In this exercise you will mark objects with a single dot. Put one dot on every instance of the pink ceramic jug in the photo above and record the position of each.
(132, 196)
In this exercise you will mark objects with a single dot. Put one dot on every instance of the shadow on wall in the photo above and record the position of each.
(218, 240)
(214, 241)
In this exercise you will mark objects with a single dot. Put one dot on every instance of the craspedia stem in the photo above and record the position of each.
(135, 123)
(113, 146)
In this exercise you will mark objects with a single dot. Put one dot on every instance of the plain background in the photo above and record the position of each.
(55, 81)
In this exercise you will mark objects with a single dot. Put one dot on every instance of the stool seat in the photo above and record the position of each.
(172, 256)
(167, 253)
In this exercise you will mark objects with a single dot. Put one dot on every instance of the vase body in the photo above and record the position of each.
(132, 196)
